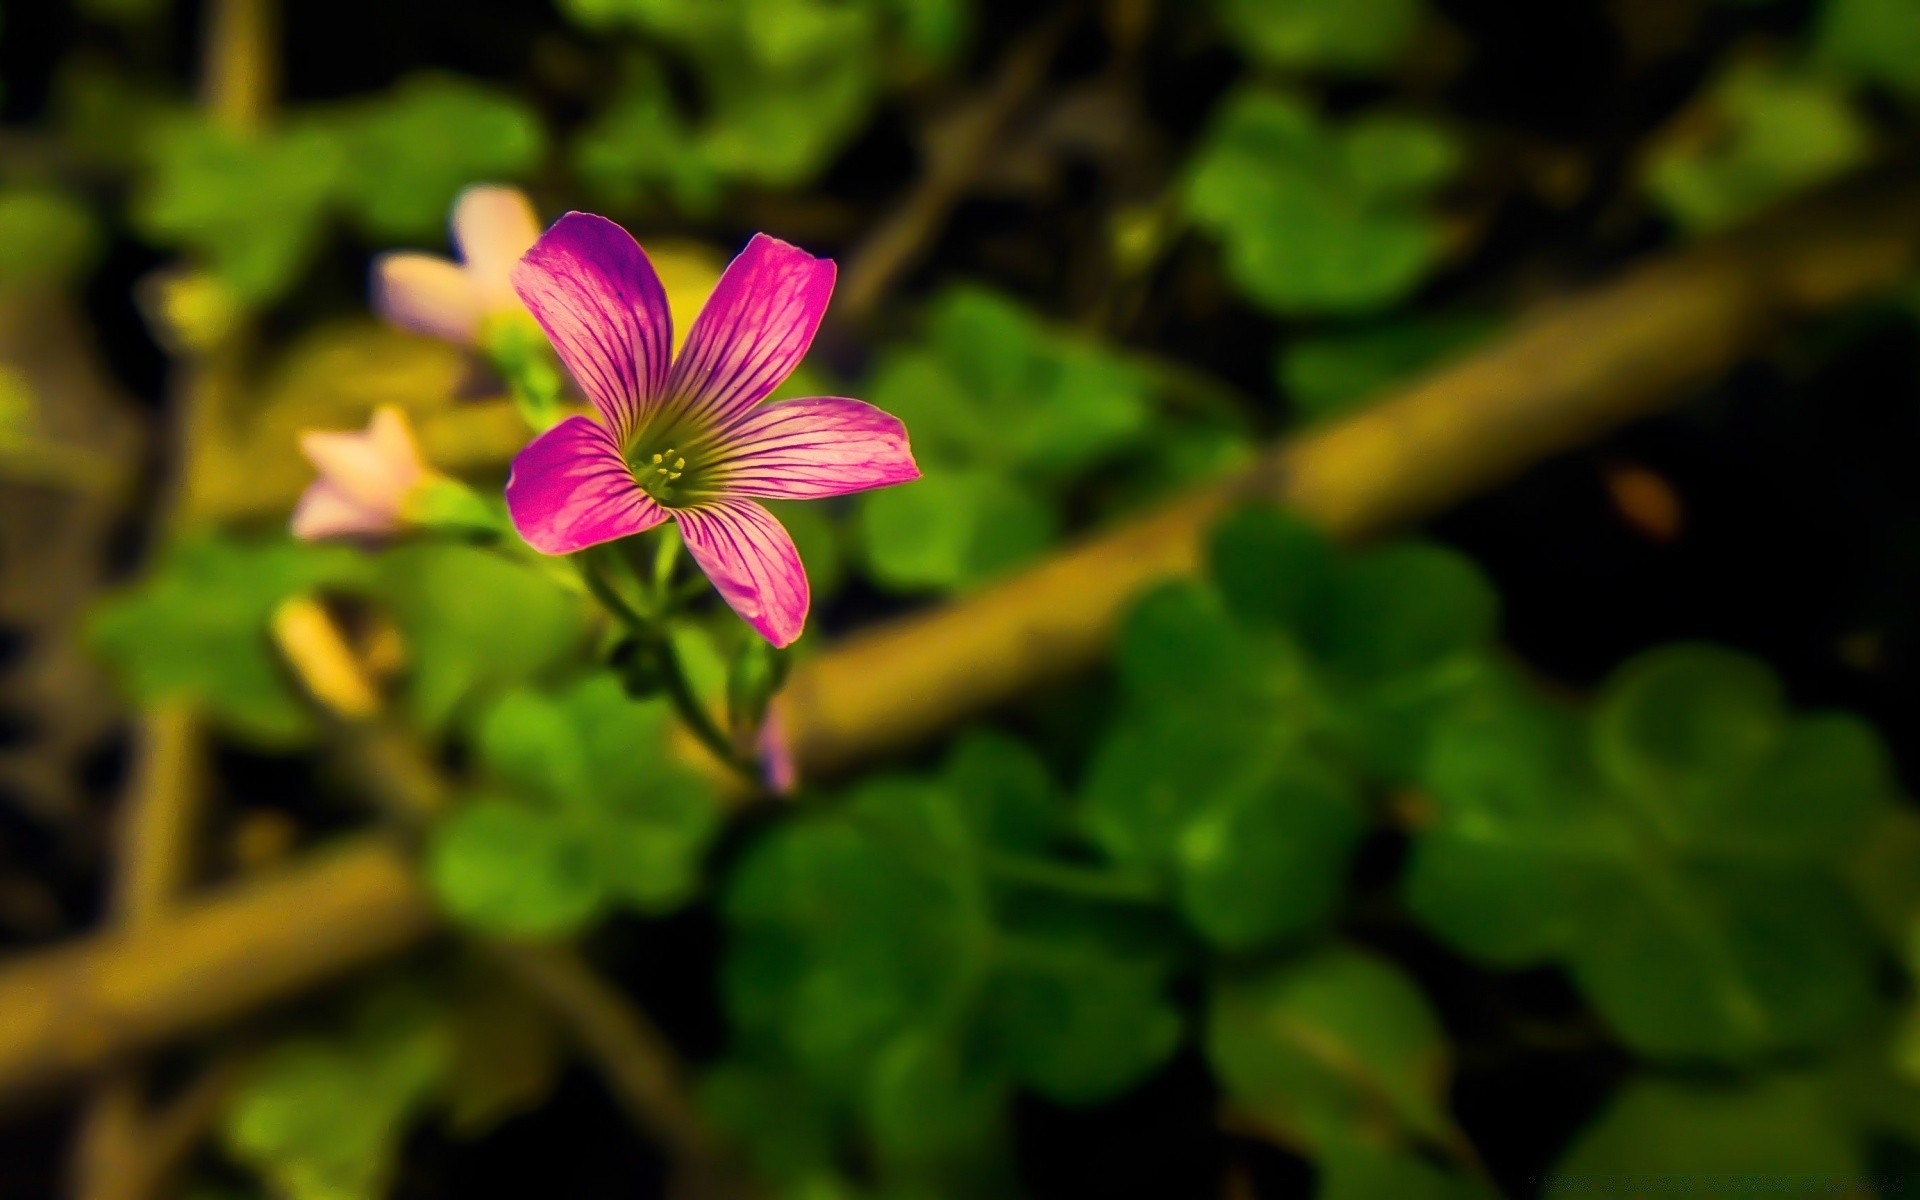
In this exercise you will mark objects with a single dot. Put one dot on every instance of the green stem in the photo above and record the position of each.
(1069, 879)
(650, 631)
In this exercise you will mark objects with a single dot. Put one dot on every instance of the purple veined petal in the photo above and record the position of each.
(592, 289)
(751, 560)
(493, 226)
(808, 449)
(326, 512)
(753, 332)
(425, 294)
(570, 489)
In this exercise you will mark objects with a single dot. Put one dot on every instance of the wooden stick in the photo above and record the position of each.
(1569, 373)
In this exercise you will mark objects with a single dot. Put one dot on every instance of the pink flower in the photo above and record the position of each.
(367, 480)
(688, 437)
(424, 293)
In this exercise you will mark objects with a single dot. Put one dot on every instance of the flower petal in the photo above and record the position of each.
(753, 332)
(375, 467)
(493, 226)
(807, 449)
(570, 489)
(592, 289)
(326, 512)
(750, 558)
(425, 294)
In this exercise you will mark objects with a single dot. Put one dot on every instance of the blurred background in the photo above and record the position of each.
(1397, 680)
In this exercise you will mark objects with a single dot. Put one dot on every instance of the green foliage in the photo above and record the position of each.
(1717, 1142)
(783, 85)
(1360, 36)
(322, 1118)
(1333, 1044)
(1332, 373)
(1680, 850)
(1005, 413)
(904, 960)
(596, 813)
(196, 629)
(411, 151)
(255, 205)
(47, 238)
(1874, 40)
(1771, 134)
(476, 624)
(251, 204)
(1318, 216)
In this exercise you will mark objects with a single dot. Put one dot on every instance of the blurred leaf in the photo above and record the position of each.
(1002, 790)
(995, 388)
(1344, 35)
(1333, 373)
(775, 1115)
(324, 1118)
(507, 868)
(1694, 930)
(1317, 217)
(1268, 859)
(952, 529)
(412, 150)
(1081, 1021)
(1360, 1171)
(1330, 1045)
(475, 623)
(197, 629)
(602, 762)
(251, 204)
(47, 239)
(928, 1106)
(1875, 40)
(852, 927)
(1715, 1142)
(1765, 134)
(1272, 568)
(1404, 607)
(640, 142)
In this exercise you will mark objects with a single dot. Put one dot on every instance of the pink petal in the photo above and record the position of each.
(570, 489)
(326, 512)
(375, 468)
(493, 226)
(591, 287)
(822, 446)
(427, 295)
(753, 332)
(750, 558)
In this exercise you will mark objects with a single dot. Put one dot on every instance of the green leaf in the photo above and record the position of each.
(1358, 1170)
(1874, 40)
(476, 624)
(1268, 859)
(1714, 1143)
(602, 762)
(929, 1104)
(324, 1118)
(1318, 217)
(1080, 1021)
(995, 386)
(412, 150)
(1773, 134)
(1333, 373)
(47, 239)
(197, 629)
(1002, 790)
(1271, 567)
(1401, 608)
(952, 529)
(501, 866)
(1680, 725)
(251, 204)
(775, 1115)
(1328, 1046)
(852, 927)
(1342, 35)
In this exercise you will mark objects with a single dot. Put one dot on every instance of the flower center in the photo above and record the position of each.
(670, 471)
